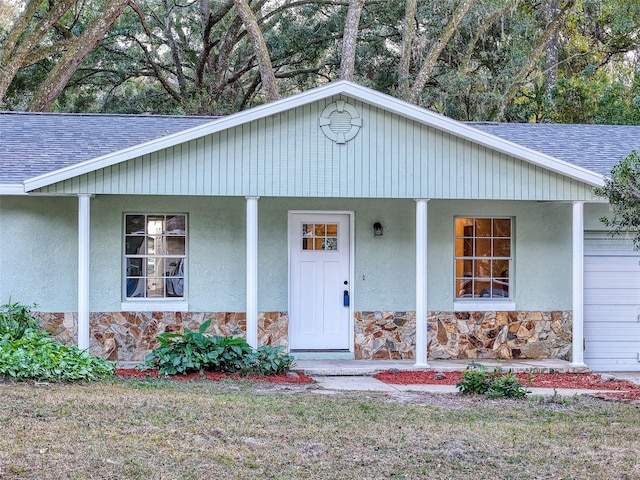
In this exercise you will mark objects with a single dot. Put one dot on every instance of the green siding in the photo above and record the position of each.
(288, 155)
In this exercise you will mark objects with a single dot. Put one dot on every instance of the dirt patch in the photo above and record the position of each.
(291, 377)
(588, 381)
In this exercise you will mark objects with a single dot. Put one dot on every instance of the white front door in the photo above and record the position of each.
(319, 282)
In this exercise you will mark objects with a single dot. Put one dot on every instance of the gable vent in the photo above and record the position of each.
(340, 122)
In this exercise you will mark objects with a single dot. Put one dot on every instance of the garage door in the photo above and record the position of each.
(611, 304)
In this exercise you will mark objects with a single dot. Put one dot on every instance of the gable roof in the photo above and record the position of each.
(594, 147)
(36, 153)
(32, 144)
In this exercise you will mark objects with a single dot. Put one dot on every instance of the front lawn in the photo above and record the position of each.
(158, 429)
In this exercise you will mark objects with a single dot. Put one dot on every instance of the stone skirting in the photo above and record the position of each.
(130, 336)
(466, 335)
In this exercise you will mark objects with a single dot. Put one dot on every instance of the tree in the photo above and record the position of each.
(349, 39)
(622, 189)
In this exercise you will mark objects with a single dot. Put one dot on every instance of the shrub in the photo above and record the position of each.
(15, 319)
(476, 379)
(36, 355)
(196, 352)
(27, 351)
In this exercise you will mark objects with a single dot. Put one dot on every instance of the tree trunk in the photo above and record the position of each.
(350, 40)
(551, 10)
(21, 40)
(516, 83)
(267, 74)
(408, 34)
(429, 63)
(59, 77)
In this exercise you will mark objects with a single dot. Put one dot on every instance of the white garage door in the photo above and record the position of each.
(611, 304)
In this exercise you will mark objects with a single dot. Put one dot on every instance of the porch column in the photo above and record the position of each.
(578, 284)
(421, 283)
(84, 251)
(252, 271)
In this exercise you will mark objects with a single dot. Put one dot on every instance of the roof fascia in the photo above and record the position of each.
(341, 87)
(12, 189)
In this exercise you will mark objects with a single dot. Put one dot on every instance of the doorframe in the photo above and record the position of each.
(352, 250)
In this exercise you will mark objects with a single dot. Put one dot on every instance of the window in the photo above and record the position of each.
(155, 256)
(319, 236)
(482, 257)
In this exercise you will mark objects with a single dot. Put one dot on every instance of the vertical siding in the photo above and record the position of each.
(289, 155)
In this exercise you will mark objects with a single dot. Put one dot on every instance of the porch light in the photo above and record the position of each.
(377, 229)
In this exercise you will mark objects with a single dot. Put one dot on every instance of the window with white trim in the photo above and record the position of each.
(155, 256)
(483, 257)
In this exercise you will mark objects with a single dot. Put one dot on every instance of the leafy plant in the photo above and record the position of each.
(36, 355)
(476, 379)
(27, 351)
(15, 319)
(196, 352)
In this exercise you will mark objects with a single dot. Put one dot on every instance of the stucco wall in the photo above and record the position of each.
(38, 251)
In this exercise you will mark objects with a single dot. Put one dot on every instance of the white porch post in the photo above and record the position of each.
(252, 271)
(84, 251)
(421, 283)
(578, 284)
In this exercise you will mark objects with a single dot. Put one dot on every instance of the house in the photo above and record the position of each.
(339, 223)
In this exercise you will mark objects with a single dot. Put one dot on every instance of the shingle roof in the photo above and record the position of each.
(35, 143)
(594, 147)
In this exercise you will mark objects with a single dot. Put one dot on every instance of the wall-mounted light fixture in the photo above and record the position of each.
(377, 229)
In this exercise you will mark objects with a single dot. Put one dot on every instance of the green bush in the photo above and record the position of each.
(476, 379)
(36, 355)
(27, 351)
(196, 352)
(15, 319)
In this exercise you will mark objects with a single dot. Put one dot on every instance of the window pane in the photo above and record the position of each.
(307, 230)
(176, 225)
(134, 224)
(134, 267)
(155, 288)
(501, 247)
(482, 268)
(332, 230)
(501, 227)
(464, 287)
(155, 225)
(319, 230)
(134, 244)
(483, 247)
(175, 245)
(330, 244)
(464, 227)
(483, 227)
(461, 250)
(500, 269)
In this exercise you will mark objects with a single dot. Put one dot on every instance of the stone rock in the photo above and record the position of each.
(439, 376)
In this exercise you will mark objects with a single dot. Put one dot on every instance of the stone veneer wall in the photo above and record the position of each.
(130, 336)
(466, 335)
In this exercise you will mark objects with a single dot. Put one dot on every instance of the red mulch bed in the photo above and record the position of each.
(280, 378)
(589, 381)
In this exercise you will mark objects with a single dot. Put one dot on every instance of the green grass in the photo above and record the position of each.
(242, 430)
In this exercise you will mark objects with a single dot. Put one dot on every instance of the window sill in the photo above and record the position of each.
(155, 306)
(484, 306)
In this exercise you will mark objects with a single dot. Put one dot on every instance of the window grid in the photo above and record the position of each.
(319, 236)
(483, 257)
(155, 256)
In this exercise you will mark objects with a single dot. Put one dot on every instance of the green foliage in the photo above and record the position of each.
(196, 352)
(27, 351)
(15, 319)
(36, 355)
(623, 191)
(476, 379)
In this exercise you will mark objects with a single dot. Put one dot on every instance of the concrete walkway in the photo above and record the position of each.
(356, 375)
(369, 367)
